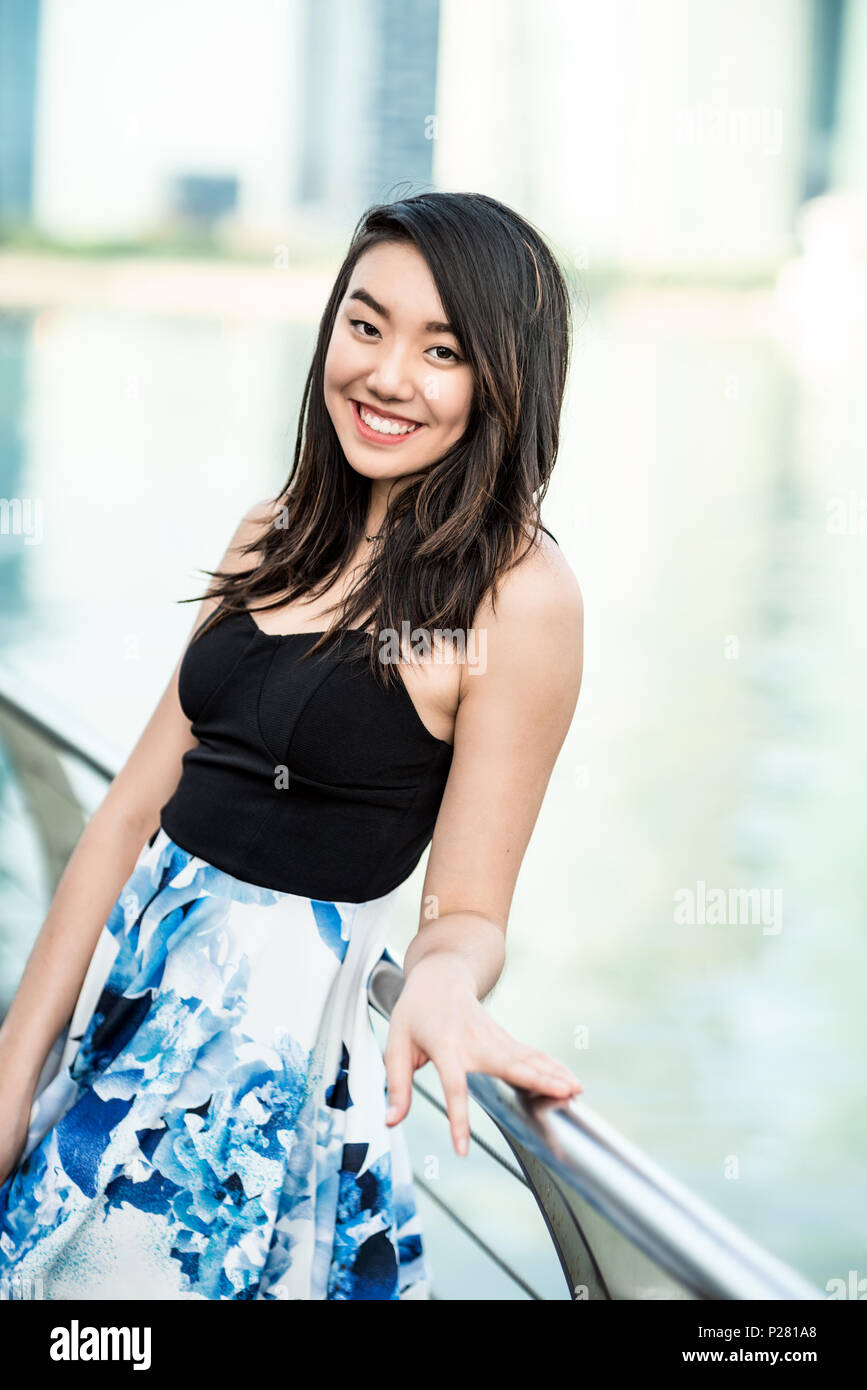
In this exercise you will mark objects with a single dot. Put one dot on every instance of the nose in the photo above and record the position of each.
(389, 377)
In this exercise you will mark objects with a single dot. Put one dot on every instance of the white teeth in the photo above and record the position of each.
(384, 426)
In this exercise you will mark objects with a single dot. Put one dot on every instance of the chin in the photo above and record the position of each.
(373, 468)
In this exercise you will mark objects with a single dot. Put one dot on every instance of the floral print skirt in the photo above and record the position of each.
(211, 1124)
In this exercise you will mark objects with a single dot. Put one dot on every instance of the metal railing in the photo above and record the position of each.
(621, 1227)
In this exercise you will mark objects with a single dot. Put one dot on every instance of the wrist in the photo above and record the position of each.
(446, 962)
(475, 942)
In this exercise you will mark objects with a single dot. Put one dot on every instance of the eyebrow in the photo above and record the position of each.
(435, 326)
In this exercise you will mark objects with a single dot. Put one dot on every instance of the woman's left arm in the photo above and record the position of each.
(514, 712)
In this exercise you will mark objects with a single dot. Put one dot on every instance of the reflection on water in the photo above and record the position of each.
(719, 742)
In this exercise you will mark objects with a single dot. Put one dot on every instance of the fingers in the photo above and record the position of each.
(399, 1069)
(526, 1067)
(454, 1084)
(502, 1055)
(491, 1050)
(536, 1071)
(398, 1072)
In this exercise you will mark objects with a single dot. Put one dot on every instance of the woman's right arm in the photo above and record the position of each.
(99, 866)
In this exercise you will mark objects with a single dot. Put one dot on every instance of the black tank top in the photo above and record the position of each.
(309, 776)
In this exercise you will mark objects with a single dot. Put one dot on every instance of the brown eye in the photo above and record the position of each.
(442, 348)
(362, 323)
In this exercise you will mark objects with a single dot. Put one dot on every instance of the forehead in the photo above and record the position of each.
(397, 277)
(392, 258)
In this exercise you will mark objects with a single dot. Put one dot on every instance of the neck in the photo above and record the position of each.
(381, 490)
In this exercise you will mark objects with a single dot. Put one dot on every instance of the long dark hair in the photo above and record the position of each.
(454, 529)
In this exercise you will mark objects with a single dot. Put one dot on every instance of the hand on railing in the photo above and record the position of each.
(439, 1019)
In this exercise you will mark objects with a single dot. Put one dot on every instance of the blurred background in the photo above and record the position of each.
(178, 184)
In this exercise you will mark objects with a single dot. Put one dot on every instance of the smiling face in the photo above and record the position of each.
(396, 385)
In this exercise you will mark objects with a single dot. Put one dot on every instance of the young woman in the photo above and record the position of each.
(192, 1100)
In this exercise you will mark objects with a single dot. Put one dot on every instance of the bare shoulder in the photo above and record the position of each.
(542, 582)
(249, 531)
(262, 514)
(534, 625)
(265, 510)
(538, 598)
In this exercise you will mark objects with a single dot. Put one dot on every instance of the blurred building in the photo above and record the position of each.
(259, 118)
(680, 135)
(19, 35)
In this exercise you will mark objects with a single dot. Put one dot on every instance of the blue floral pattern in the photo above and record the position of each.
(211, 1125)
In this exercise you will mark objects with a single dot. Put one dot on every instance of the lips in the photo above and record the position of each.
(386, 414)
(373, 436)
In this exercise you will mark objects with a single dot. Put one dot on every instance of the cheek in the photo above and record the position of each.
(455, 401)
(339, 364)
